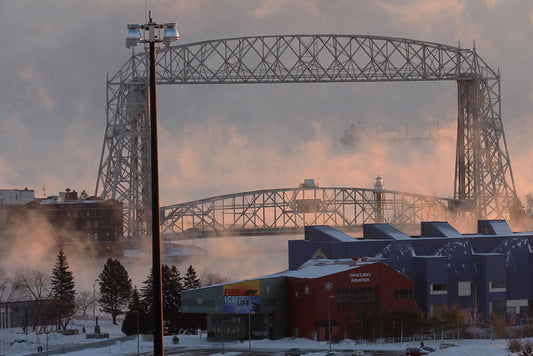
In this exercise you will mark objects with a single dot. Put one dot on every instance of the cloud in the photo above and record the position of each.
(218, 158)
(267, 8)
(34, 82)
(492, 3)
(426, 16)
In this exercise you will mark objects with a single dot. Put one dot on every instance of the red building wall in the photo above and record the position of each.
(308, 298)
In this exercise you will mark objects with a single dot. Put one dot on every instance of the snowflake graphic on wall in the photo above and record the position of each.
(307, 290)
(328, 286)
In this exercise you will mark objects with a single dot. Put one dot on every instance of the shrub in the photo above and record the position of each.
(514, 345)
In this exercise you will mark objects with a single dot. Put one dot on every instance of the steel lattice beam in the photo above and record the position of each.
(483, 170)
(267, 211)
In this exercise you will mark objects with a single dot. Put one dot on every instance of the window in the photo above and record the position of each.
(464, 288)
(438, 289)
(498, 308)
(350, 297)
(497, 286)
(401, 294)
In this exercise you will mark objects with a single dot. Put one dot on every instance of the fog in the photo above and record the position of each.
(226, 139)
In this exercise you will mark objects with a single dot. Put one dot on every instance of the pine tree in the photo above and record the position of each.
(136, 318)
(172, 287)
(63, 292)
(191, 279)
(135, 301)
(115, 288)
(146, 296)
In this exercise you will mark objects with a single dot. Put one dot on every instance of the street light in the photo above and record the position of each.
(138, 335)
(133, 37)
(94, 297)
(329, 321)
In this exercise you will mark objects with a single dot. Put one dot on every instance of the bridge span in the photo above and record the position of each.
(286, 210)
(483, 174)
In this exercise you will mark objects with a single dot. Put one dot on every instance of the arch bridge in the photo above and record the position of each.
(290, 209)
(483, 173)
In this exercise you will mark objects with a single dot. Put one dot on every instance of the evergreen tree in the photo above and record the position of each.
(191, 279)
(192, 321)
(63, 292)
(146, 296)
(172, 287)
(135, 301)
(115, 288)
(136, 318)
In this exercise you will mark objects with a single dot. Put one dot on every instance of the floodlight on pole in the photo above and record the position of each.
(171, 33)
(134, 35)
(152, 35)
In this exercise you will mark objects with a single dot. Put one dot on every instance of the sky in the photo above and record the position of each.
(221, 139)
(225, 139)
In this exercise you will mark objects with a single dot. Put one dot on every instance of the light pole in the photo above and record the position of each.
(222, 331)
(138, 335)
(94, 298)
(329, 321)
(133, 37)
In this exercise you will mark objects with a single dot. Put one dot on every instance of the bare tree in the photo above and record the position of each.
(208, 278)
(84, 301)
(34, 284)
(8, 292)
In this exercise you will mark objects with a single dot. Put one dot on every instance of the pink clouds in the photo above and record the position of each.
(215, 158)
(427, 17)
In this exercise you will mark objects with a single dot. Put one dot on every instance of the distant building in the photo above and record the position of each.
(73, 219)
(16, 196)
(26, 313)
(491, 269)
(302, 302)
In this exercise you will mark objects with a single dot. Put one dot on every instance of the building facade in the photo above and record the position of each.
(234, 310)
(73, 220)
(10, 197)
(318, 300)
(490, 271)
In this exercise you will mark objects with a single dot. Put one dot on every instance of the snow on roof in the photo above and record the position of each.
(313, 269)
(336, 234)
(324, 267)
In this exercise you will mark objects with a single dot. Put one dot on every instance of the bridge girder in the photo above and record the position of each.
(483, 170)
(290, 209)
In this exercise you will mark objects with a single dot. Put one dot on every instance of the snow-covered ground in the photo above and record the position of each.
(13, 342)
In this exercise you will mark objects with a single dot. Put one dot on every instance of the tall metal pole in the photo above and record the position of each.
(329, 324)
(94, 298)
(222, 331)
(138, 335)
(156, 238)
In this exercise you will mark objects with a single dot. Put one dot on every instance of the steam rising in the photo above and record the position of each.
(221, 140)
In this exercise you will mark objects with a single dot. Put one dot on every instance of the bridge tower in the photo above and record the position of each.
(483, 173)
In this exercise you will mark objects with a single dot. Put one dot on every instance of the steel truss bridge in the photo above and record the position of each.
(290, 209)
(483, 173)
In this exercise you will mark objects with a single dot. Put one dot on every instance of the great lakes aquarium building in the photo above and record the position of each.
(303, 301)
(492, 268)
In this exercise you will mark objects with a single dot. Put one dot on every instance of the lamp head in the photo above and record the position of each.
(133, 36)
(171, 33)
